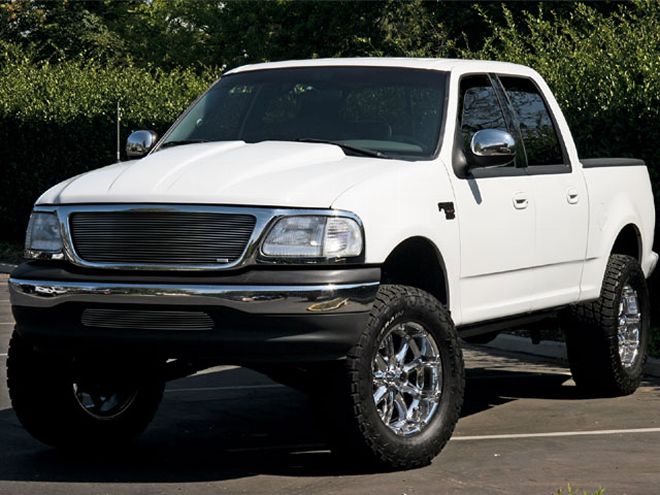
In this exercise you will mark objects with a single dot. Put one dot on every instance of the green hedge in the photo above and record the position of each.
(603, 70)
(57, 121)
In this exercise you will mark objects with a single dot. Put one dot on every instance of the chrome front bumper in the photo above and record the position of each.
(262, 299)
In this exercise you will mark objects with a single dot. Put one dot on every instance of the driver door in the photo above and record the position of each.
(495, 210)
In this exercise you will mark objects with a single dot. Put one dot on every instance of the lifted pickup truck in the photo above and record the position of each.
(338, 225)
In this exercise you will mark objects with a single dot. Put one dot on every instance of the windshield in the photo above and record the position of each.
(391, 111)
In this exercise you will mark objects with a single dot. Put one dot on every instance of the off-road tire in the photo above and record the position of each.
(41, 392)
(348, 411)
(591, 333)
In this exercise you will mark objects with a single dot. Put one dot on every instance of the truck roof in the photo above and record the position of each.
(444, 64)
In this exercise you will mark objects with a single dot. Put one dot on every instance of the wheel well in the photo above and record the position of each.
(416, 262)
(628, 242)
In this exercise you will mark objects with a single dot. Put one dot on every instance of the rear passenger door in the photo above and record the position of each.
(560, 196)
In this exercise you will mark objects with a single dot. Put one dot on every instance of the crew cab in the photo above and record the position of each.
(340, 225)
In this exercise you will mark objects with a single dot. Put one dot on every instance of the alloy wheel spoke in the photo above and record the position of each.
(414, 348)
(401, 406)
(379, 378)
(380, 363)
(403, 349)
(389, 407)
(415, 364)
(414, 411)
(389, 349)
(407, 378)
(411, 389)
(379, 394)
(431, 395)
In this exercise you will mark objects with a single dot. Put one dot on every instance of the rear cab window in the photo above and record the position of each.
(535, 124)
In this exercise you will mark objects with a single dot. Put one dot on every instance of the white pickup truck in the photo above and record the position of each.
(338, 225)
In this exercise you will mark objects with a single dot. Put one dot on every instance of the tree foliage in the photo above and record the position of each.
(58, 120)
(181, 33)
(603, 69)
(65, 65)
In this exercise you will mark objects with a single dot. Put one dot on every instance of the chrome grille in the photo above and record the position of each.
(160, 238)
(146, 320)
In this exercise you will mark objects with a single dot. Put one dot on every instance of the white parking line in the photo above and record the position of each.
(314, 446)
(557, 434)
(236, 387)
(3, 354)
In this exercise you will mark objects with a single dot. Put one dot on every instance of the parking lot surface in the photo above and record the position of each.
(524, 429)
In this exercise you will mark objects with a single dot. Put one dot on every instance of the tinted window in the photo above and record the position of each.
(536, 126)
(396, 111)
(479, 108)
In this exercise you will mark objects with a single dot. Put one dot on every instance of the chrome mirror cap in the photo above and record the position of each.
(139, 143)
(493, 142)
(491, 148)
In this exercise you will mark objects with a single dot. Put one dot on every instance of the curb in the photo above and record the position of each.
(551, 349)
(6, 268)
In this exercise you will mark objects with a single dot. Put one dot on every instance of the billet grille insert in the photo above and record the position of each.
(160, 238)
(139, 319)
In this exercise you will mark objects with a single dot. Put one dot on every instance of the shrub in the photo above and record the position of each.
(58, 120)
(603, 69)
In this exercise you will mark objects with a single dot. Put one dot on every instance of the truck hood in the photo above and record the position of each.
(269, 173)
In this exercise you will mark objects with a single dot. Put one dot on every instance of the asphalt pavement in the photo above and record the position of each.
(524, 430)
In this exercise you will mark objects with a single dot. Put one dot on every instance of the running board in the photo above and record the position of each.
(540, 319)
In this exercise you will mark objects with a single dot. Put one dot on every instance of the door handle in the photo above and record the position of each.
(572, 196)
(520, 201)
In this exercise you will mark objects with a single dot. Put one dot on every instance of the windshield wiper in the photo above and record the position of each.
(345, 147)
(183, 141)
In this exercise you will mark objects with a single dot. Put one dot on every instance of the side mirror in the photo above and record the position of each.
(490, 148)
(139, 143)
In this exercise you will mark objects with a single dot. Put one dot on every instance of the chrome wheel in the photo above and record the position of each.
(407, 378)
(629, 327)
(102, 401)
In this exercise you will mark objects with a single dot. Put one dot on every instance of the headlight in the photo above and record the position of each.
(43, 235)
(313, 237)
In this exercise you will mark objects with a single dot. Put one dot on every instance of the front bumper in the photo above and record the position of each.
(250, 322)
(291, 300)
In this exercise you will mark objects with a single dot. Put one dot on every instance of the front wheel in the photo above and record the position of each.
(606, 340)
(396, 399)
(71, 403)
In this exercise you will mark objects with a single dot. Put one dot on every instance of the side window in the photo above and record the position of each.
(536, 126)
(479, 107)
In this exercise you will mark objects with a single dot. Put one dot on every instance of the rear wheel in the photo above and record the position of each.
(396, 399)
(607, 339)
(68, 402)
